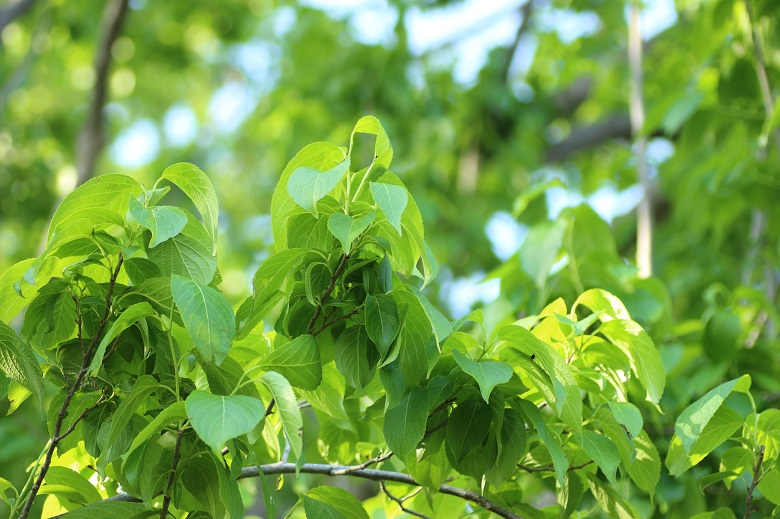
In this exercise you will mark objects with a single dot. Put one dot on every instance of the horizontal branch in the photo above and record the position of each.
(588, 137)
(347, 470)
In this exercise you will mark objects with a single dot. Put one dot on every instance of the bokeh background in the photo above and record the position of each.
(511, 125)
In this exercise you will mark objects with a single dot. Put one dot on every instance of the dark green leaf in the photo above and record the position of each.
(298, 361)
(405, 423)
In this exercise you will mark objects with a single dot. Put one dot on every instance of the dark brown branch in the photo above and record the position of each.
(172, 476)
(80, 417)
(11, 12)
(270, 408)
(525, 13)
(400, 502)
(587, 137)
(92, 138)
(328, 291)
(325, 325)
(85, 361)
(370, 474)
(753, 484)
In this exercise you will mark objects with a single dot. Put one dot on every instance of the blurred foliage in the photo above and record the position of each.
(466, 149)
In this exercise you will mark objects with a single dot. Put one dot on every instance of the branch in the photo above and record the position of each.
(644, 233)
(550, 468)
(754, 483)
(85, 360)
(171, 476)
(586, 137)
(337, 319)
(400, 502)
(92, 138)
(328, 291)
(368, 463)
(525, 13)
(9, 13)
(370, 474)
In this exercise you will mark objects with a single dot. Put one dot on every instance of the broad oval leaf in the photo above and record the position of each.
(392, 200)
(163, 221)
(405, 423)
(382, 321)
(219, 418)
(347, 228)
(487, 373)
(189, 253)
(641, 352)
(298, 361)
(328, 502)
(307, 185)
(207, 316)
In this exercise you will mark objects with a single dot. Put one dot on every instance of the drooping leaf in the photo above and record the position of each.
(549, 438)
(163, 221)
(641, 352)
(392, 200)
(467, 427)
(144, 386)
(383, 151)
(627, 415)
(298, 361)
(208, 318)
(70, 484)
(307, 185)
(382, 321)
(353, 355)
(112, 510)
(219, 418)
(602, 451)
(167, 416)
(287, 404)
(645, 468)
(197, 186)
(18, 361)
(405, 422)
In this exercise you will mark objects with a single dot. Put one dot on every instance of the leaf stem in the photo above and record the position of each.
(328, 291)
(172, 476)
(756, 478)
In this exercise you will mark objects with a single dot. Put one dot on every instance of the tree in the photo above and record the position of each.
(155, 396)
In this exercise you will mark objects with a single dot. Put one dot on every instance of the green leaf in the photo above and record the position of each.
(11, 302)
(467, 427)
(298, 361)
(112, 510)
(392, 200)
(287, 404)
(94, 200)
(540, 250)
(768, 432)
(18, 362)
(219, 418)
(197, 186)
(346, 228)
(549, 438)
(168, 415)
(382, 321)
(144, 386)
(383, 151)
(692, 421)
(164, 221)
(208, 318)
(51, 317)
(641, 352)
(645, 468)
(770, 486)
(610, 500)
(405, 423)
(512, 447)
(627, 415)
(307, 185)
(567, 402)
(352, 354)
(602, 451)
(487, 373)
(332, 503)
(70, 484)
(599, 300)
(188, 254)
(125, 320)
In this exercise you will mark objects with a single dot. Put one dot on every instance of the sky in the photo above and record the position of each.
(464, 32)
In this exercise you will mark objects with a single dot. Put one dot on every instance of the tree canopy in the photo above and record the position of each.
(247, 247)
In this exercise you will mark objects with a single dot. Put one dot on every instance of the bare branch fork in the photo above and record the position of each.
(58, 435)
(370, 474)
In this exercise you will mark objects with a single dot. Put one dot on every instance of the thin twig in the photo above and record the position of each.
(83, 415)
(366, 464)
(328, 291)
(370, 474)
(753, 484)
(325, 325)
(172, 476)
(550, 468)
(400, 502)
(63, 411)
